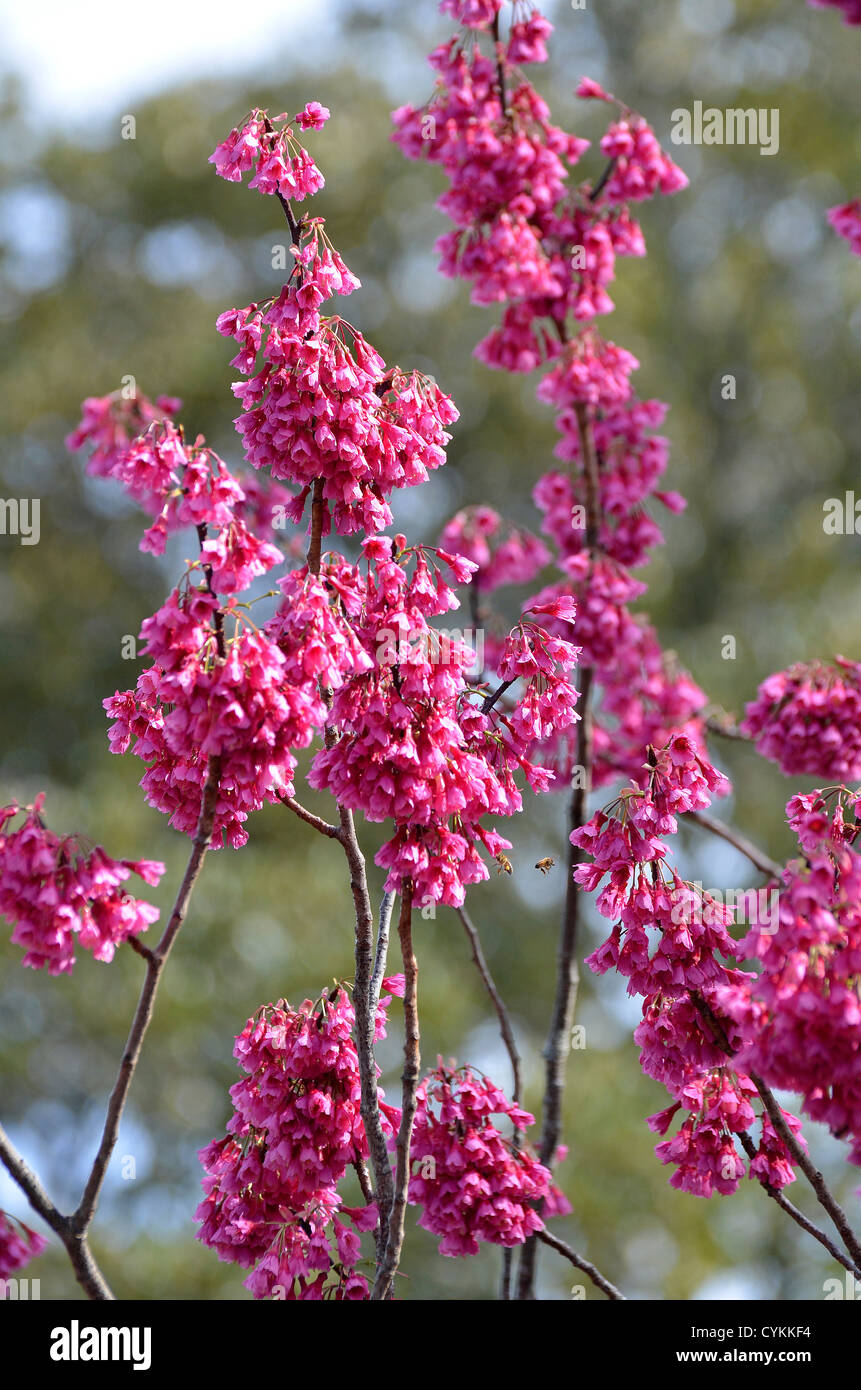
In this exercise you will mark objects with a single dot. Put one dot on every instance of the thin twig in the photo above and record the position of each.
(726, 728)
(510, 1042)
(734, 837)
(823, 1193)
(558, 1044)
(388, 1267)
(586, 1266)
(792, 1211)
(73, 1229)
(87, 1272)
(365, 1013)
(82, 1217)
(491, 699)
(333, 831)
(383, 929)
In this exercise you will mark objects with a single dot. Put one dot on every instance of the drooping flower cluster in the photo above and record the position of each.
(414, 746)
(502, 554)
(18, 1245)
(271, 1201)
(281, 164)
(320, 406)
(672, 943)
(801, 1011)
(547, 252)
(59, 893)
(808, 720)
(211, 694)
(471, 1182)
(110, 423)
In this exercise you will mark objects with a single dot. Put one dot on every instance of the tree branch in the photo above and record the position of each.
(82, 1217)
(412, 1070)
(309, 818)
(558, 1044)
(505, 1027)
(586, 1266)
(757, 857)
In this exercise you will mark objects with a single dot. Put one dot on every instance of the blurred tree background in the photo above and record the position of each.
(116, 255)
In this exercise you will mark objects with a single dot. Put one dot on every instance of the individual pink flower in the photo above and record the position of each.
(18, 1245)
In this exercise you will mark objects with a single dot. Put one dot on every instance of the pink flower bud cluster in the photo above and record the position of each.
(548, 254)
(672, 944)
(271, 1202)
(281, 164)
(801, 1012)
(110, 423)
(320, 404)
(502, 554)
(213, 693)
(59, 893)
(414, 747)
(18, 1245)
(808, 720)
(471, 1182)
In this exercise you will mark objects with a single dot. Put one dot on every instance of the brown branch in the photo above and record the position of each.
(87, 1272)
(383, 930)
(510, 1042)
(823, 1193)
(365, 1026)
(309, 817)
(73, 1229)
(558, 1044)
(505, 1027)
(318, 507)
(491, 699)
(388, 1267)
(81, 1218)
(585, 1265)
(792, 1211)
(757, 857)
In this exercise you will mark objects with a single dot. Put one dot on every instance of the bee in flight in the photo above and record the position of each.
(545, 865)
(504, 863)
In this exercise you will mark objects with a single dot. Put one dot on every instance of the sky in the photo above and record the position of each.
(92, 58)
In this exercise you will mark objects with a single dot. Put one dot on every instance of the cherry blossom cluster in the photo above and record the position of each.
(271, 1201)
(319, 404)
(502, 553)
(801, 1011)
(673, 946)
(415, 746)
(547, 251)
(182, 485)
(18, 1245)
(808, 720)
(473, 1183)
(61, 893)
(212, 693)
(281, 164)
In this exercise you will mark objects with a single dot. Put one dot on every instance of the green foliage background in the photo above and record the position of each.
(116, 257)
